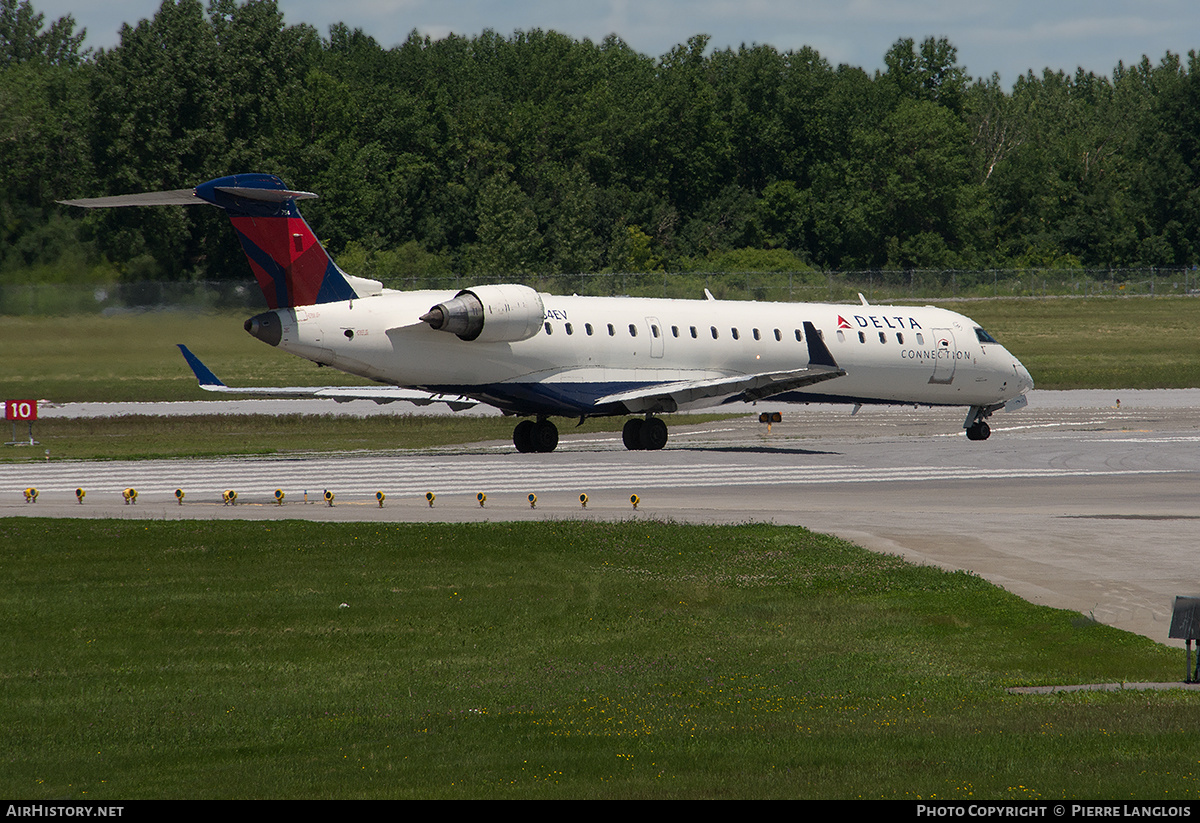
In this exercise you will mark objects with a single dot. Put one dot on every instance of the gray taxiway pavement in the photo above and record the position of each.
(1075, 502)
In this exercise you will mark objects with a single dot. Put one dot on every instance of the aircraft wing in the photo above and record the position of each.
(342, 394)
(668, 397)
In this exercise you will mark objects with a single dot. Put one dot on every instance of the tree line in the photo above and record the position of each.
(535, 153)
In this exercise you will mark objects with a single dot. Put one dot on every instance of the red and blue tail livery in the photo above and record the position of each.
(291, 266)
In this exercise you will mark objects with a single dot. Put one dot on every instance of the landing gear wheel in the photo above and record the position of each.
(654, 434)
(649, 434)
(541, 436)
(523, 436)
(632, 434)
(979, 430)
(544, 436)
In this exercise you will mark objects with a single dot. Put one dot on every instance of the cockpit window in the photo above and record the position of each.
(984, 337)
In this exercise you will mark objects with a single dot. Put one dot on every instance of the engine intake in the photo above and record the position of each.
(489, 314)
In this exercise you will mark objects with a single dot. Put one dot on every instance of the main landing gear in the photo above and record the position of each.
(649, 434)
(541, 436)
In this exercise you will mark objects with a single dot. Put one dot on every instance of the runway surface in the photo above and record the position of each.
(1074, 502)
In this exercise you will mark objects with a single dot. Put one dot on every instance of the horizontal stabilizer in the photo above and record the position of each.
(266, 195)
(178, 197)
(290, 265)
(342, 394)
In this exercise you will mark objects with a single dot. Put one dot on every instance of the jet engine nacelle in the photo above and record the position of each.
(490, 314)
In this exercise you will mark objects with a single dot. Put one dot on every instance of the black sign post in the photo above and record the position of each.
(1185, 625)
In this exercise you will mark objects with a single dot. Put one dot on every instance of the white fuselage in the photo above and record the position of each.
(590, 347)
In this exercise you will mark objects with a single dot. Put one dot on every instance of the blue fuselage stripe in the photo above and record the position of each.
(571, 399)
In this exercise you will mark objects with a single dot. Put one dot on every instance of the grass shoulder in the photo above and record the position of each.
(553, 659)
(132, 437)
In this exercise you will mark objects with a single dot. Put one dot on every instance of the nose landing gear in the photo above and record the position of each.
(976, 423)
(978, 431)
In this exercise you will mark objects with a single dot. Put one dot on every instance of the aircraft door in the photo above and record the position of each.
(656, 336)
(943, 357)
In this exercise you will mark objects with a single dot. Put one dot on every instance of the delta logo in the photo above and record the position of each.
(878, 321)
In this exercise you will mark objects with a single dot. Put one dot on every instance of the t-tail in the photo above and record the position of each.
(291, 266)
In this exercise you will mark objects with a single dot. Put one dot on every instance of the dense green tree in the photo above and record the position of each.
(930, 72)
(509, 238)
(22, 39)
(924, 161)
(522, 154)
(1167, 143)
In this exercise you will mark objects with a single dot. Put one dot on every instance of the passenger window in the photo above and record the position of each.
(798, 338)
(654, 330)
(734, 332)
(569, 329)
(587, 327)
(882, 337)
(841, 336)
(862, 337)
(632, 330)
(674, 331)
(920, 339)
(900, 338)
(756, 337)
(778, 336)
(548, 329)
(611, 331)
(714, 332)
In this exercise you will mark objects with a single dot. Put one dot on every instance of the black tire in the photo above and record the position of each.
(632, 434)
(654, 434)
(544, 436)
(979, 430)
(523, 436)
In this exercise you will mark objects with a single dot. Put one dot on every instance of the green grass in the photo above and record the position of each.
(1102, 343)
(550, 660)
(132, 357)
(1098, 343)
(135, 437)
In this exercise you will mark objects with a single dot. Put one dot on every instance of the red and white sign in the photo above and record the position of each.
(20, 410)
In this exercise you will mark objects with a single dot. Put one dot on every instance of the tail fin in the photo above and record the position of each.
(291, 266)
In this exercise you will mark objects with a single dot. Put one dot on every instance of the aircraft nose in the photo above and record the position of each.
(1024, 378)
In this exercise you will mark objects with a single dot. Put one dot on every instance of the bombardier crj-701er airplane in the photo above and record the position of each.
(542, 355)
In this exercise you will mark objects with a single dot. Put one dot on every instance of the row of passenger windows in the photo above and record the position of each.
(589, 330)
(862, 337)
(675, 332)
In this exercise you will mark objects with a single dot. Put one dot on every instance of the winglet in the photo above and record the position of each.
(202, 372)
(818, 352)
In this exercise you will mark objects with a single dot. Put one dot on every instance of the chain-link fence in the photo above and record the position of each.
(65, 299)
(810, 286)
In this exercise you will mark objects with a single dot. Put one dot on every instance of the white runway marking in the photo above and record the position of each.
(417, 475)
